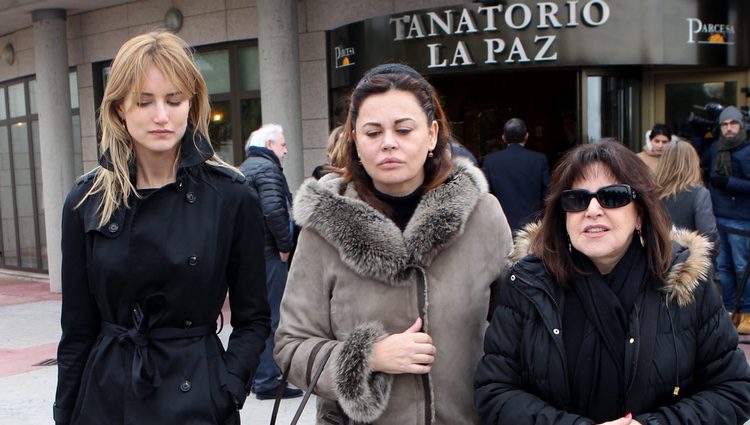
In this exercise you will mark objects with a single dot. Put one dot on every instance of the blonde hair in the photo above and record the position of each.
(335, 147)
(678, 169)
(174, 58)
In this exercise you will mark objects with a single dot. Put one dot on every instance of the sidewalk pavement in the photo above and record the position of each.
(29, 332)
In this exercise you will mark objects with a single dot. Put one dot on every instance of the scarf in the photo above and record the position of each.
(595, 318)
(724, 148)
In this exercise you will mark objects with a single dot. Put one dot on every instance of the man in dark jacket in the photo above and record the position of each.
(266, 148)
(518, 177)
(729, 159)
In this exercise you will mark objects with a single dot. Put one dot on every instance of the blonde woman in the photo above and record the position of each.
(334, 153)
(152, 239)
(679, 185)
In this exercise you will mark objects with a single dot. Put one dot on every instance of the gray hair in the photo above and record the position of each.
(265, 133)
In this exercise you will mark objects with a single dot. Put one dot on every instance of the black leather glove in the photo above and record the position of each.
(719, 181)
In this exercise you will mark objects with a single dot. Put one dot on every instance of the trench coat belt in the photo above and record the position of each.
(145, 376)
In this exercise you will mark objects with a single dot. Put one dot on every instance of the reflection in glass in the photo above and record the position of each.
(73, 82)
(249, 68)
(612, 110)
(77, 152)
(17, 100)
(10, 250)
(39, 195)
(24, 195)
(3, 113)
(32, 97)
(685, 107)
(215, 69)
(220, 131)
(251, 118)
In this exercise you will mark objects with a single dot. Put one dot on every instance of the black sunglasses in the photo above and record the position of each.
(614, 196)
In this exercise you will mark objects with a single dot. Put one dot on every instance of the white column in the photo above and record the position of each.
(279, 78)
(55, 127)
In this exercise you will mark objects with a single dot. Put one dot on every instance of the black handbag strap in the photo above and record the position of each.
(637, 392)
(308, 391)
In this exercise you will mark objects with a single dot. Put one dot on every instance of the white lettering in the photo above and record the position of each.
(466, 21)
(400, 27)
(526, 16)
(603, 11)
(462, 53)
(548, 11)
(548, 40)
(572, 14)
(415, 27)
(435, 56)
(490, 16)
(694, 26)
(494, 46)
(517, 49)
(444, 25)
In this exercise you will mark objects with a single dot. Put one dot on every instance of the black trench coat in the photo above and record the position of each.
(141, 296)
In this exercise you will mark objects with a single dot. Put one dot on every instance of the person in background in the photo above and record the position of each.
(657, 140)
(607, 316)
(266, 149)
(458, 149)
(152, 240)
(333, 153)
(729, 161)
(679, 185)
(518, 177)
(396, 264)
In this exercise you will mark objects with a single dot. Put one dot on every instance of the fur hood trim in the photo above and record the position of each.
(691, 261)
(371, 244)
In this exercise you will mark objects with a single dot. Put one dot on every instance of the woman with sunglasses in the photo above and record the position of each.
(606, 316)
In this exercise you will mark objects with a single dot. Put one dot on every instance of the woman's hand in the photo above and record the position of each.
(625, 420)
(408, 352)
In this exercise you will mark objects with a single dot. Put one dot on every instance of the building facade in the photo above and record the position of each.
(574, 70)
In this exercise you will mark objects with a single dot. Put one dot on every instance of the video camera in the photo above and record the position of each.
(708, 120)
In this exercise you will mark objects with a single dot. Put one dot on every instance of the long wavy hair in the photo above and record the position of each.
(550, 244)
(679, 169)
(381, 79)
(174, 58)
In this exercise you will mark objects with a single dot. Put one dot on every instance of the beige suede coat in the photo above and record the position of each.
(356, 278)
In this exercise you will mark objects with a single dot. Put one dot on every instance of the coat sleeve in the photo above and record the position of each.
(721, 369)
(272, 190)
(499, 395)
(246, 278)
(80, 318)
(305, 333)
(705, 220)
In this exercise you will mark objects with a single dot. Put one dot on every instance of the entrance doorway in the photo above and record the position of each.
(478, 105)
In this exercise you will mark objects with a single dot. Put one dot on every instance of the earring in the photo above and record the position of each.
(640, 236)
(570, 246)
(430, 154)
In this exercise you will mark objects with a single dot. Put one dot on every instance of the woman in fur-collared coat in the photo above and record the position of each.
(394, 266)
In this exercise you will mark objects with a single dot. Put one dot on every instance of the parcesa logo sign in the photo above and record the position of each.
(709, 33)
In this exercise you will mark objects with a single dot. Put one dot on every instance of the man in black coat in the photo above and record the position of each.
(266, 148)
(518, 177)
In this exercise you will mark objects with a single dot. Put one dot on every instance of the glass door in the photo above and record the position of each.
(610, 106)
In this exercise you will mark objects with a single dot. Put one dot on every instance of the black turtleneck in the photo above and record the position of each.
(402, 207)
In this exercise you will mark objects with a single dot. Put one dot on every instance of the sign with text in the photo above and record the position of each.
(528, 34)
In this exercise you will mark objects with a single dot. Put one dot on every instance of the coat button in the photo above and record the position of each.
(113, 227)
(512, 278)
(192, 261)
(188, 323)
(185, 386)
(179, 184)
(190, 197)
(631, 340)
(556, 331)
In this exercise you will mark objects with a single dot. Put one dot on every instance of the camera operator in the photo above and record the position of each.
(729, 161)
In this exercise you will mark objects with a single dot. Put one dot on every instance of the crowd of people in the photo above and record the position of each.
(405, 285)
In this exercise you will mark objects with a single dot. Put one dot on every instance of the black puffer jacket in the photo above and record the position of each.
(522, 378)
(263, 170)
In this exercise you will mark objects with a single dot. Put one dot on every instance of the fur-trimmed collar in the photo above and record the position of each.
(371, 244)
(691, 260)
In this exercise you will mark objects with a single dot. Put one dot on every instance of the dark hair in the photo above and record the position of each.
(550, 244)
(381, 79)
(514, 130)
(660, 130)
